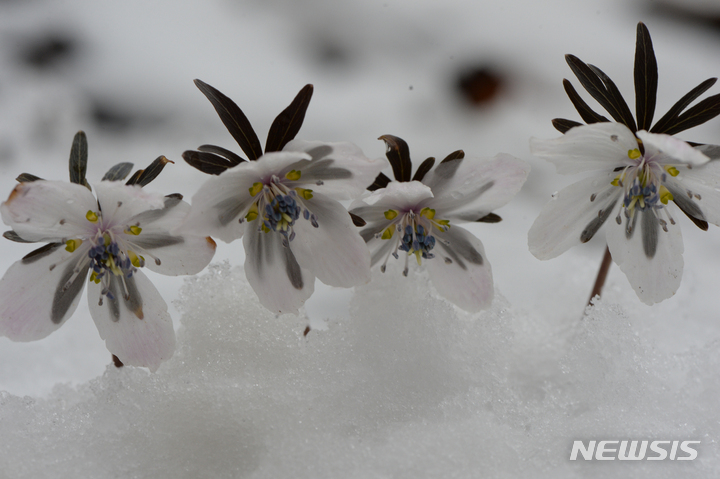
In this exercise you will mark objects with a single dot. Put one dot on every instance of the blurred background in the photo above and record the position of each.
(482, 76)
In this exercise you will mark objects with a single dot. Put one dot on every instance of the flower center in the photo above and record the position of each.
(107, 258)
(281, 206)
(414, 234)
(643, 188)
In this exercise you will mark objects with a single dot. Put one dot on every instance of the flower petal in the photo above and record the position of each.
(587, 148)
(701, 184)
(476, 187)
(177, 254)
(651, 258)
(219, 206)
(334, 251)
(120, 202)
(273, 272)
(339, 170)
(33, 299)
(675, 149)
(460, 270)
(48, 211)
(573, 216)
(401, 196)
(138, 330)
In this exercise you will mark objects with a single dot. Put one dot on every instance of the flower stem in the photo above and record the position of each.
(601, 276)
(117, 362)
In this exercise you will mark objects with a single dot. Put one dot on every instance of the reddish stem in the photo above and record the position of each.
(601, 276)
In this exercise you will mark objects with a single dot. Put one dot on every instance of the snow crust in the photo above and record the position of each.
(396, 382)
(407, 386)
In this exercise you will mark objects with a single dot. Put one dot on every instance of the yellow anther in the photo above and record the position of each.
(418, 256)
(94, 278)
(73, 244)
(293, 175)
(264, 228)
(665, 195)
(135, 259)
(634, 154)
(305, 194)
(616, 181)
(133, 230)
(388, 233)
(255, 188)
(252, 213)
(429, 213)
(672, 170)
(107, 239)
(391, 214)
(91, 216)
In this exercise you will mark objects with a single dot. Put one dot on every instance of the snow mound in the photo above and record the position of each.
(407, 386)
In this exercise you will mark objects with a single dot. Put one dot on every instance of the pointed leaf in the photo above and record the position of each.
(27, 178)
(455, 155)
(78, 159)
(118, 172)
(669, 119)
(586, 113)
(206, 162)
(234, 120)
(381, 181)
(13, 236)
(40, 252)
(143, 177)
(706, 110)
(357, 221)
(702, 224)
(232, 157)
(422, 170)
(646, 78)
(288, 122)
(398, 154)
(562, 125)
(489, 218)
(616, 98)
(596, 87)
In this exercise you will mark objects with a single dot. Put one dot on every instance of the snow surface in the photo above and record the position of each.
(393, 381)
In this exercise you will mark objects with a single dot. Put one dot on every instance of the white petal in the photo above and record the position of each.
(676, 149)
(343, 169)
(48, 211)
(701, 184)
(593, 147)
(460, 270)
(334, 251)
(475, 187)
(569, 217)
(33, 303)
(120, 202)
(177, 253)
(273, 272)
(399, 195)
(139, 331)
(220, 203)
(653, 278)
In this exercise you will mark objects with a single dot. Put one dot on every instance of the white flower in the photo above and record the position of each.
(636, 163)
(418, 217)
(283, 203)
(634, 182)
(285, 207)
(111, 237)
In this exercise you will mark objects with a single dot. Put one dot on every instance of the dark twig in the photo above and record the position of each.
(601, 276)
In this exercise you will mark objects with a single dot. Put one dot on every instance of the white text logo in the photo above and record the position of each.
(634, 450)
